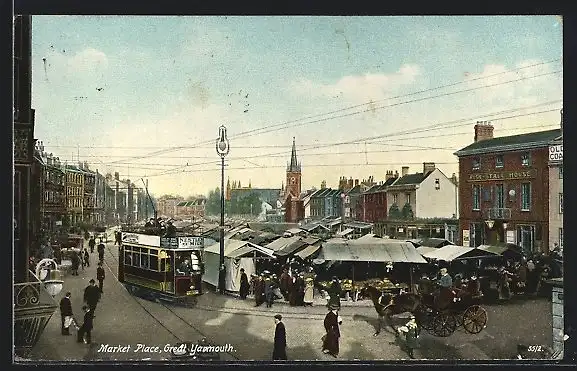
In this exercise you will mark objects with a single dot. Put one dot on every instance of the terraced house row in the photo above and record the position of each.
(69, 195)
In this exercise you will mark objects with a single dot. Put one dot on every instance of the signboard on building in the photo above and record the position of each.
(190, 242)
(141, 239)
(556, 153)
(466, 237)
(502, 175)
(169, 242)
(510, 237)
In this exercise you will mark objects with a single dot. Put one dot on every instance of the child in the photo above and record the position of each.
(86, 327)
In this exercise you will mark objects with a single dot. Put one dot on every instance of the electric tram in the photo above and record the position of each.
(161, 268)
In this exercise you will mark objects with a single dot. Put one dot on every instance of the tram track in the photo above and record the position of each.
(149, 310)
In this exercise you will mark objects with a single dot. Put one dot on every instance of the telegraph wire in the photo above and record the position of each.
(295, 123)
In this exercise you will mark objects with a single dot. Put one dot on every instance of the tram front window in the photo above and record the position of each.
(187, 262)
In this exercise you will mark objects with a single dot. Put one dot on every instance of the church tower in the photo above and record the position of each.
(293, 175)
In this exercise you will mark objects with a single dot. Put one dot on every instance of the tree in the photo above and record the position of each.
(394, 212)
(212, 206)
(407, 211)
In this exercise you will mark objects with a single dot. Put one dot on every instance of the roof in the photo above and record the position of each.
(411, 179)
(500, 248)
(360, 225)
(345, 232)
(453, 252)
(321, 193)
(281, 243)
(385, 250)
(425, 249)
(511, 143)
(434, 242)
(355, 190)
(367, 236)
(311, 240)
(312, 226)
(295, 230)
(291, 248)
(231, 247)
(308, 251)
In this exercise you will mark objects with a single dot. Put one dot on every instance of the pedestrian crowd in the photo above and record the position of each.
(91, 296)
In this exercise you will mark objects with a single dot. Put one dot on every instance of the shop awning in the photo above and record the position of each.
(281, 243)
(308, 251)
(288, 250)
(249, 251)
(232, 247)
(453, 252)
(384, 251)
(425, 249)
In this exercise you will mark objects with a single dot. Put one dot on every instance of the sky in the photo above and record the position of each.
(145, 96)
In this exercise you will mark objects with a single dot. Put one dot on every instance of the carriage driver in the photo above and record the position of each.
(445, 287)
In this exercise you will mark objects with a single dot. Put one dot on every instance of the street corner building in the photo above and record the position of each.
(505, 191)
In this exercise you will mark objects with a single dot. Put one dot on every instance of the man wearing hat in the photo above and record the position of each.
(335, 293)
(92, 295)
(259, 290)
(331, 339)
(445, 288)
(243, 284)
(279, 349)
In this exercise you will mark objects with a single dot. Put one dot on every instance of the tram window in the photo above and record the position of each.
(144, 261)
(153, 252)
(127, 258)
(154, 262)
(136, 259)
(144, 250)
(127, 248)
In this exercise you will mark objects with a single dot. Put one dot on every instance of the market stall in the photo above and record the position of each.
(390, 262)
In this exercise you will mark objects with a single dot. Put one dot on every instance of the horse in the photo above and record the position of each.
(391, 305)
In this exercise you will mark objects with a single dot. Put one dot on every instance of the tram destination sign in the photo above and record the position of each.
(502, 175)
(141, 239)
(188, 242)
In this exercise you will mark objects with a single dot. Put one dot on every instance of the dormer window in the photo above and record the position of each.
(437, 184)
(476, 163)
(525, 159)
(499, 162)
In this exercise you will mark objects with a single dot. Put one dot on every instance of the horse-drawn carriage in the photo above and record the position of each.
(438, 312)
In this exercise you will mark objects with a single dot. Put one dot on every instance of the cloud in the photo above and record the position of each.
(88, 60)
(360, 88)
(530, 89)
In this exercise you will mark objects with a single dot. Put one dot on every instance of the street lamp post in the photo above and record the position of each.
(222, 148)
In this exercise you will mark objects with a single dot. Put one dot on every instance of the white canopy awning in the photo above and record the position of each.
(383, 250)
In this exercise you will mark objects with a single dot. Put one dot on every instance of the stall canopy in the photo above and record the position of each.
(453, 252)
(237, 254)
(292, 248)
(345, 232)
(384, 250)
(501, 249)
(308, 251)
(282, 242)
(425, 249)
(435, 242)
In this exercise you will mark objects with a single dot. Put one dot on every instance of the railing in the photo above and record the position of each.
(498, 213)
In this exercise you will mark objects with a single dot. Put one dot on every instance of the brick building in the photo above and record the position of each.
(504, 189)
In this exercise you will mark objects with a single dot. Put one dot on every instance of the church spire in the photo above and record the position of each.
(294, 165)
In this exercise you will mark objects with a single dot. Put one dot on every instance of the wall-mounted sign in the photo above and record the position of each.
(556, 153)
(188, 242)
(466, 237)
(502, 175)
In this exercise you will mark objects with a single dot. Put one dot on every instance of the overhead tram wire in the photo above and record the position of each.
(285, 125)
(426, 129)
(342, 109)
(355, 113)
(322, 165)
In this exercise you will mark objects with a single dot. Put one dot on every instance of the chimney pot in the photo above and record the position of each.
(404, 170)
(428, 167)
(483, 131)
(356, 182)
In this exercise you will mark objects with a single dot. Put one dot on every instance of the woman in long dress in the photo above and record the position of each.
(309, 289)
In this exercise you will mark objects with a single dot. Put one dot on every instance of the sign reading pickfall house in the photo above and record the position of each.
(556, 153)
(503, 175)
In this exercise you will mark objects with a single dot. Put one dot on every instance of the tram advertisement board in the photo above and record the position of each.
(169, 242)
(189, 241)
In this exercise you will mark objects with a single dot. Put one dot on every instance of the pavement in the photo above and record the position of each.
(122, 319)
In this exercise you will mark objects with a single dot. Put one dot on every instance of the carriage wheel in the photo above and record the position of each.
(474, 319)
(444, 324)
(425, 318)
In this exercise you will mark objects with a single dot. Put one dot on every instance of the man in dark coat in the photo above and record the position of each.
(118, 238)
(75, 260)
(279, 350)
(91, 244)
(170, 230)
(65, 311)
(243, 284)
(300, 283)
(268, 292)
(101, 251)
(331, 339)
(86, 327)
(293, 291)
(100, 275)
(91, 296)
(284, 284)
(258, 290)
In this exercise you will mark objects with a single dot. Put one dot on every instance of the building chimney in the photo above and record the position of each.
(389, 174)
(483, 131)
(80, 165)
(356, 182)
(116, 175)
(428, 167)
(396, 174)
(404, 170)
